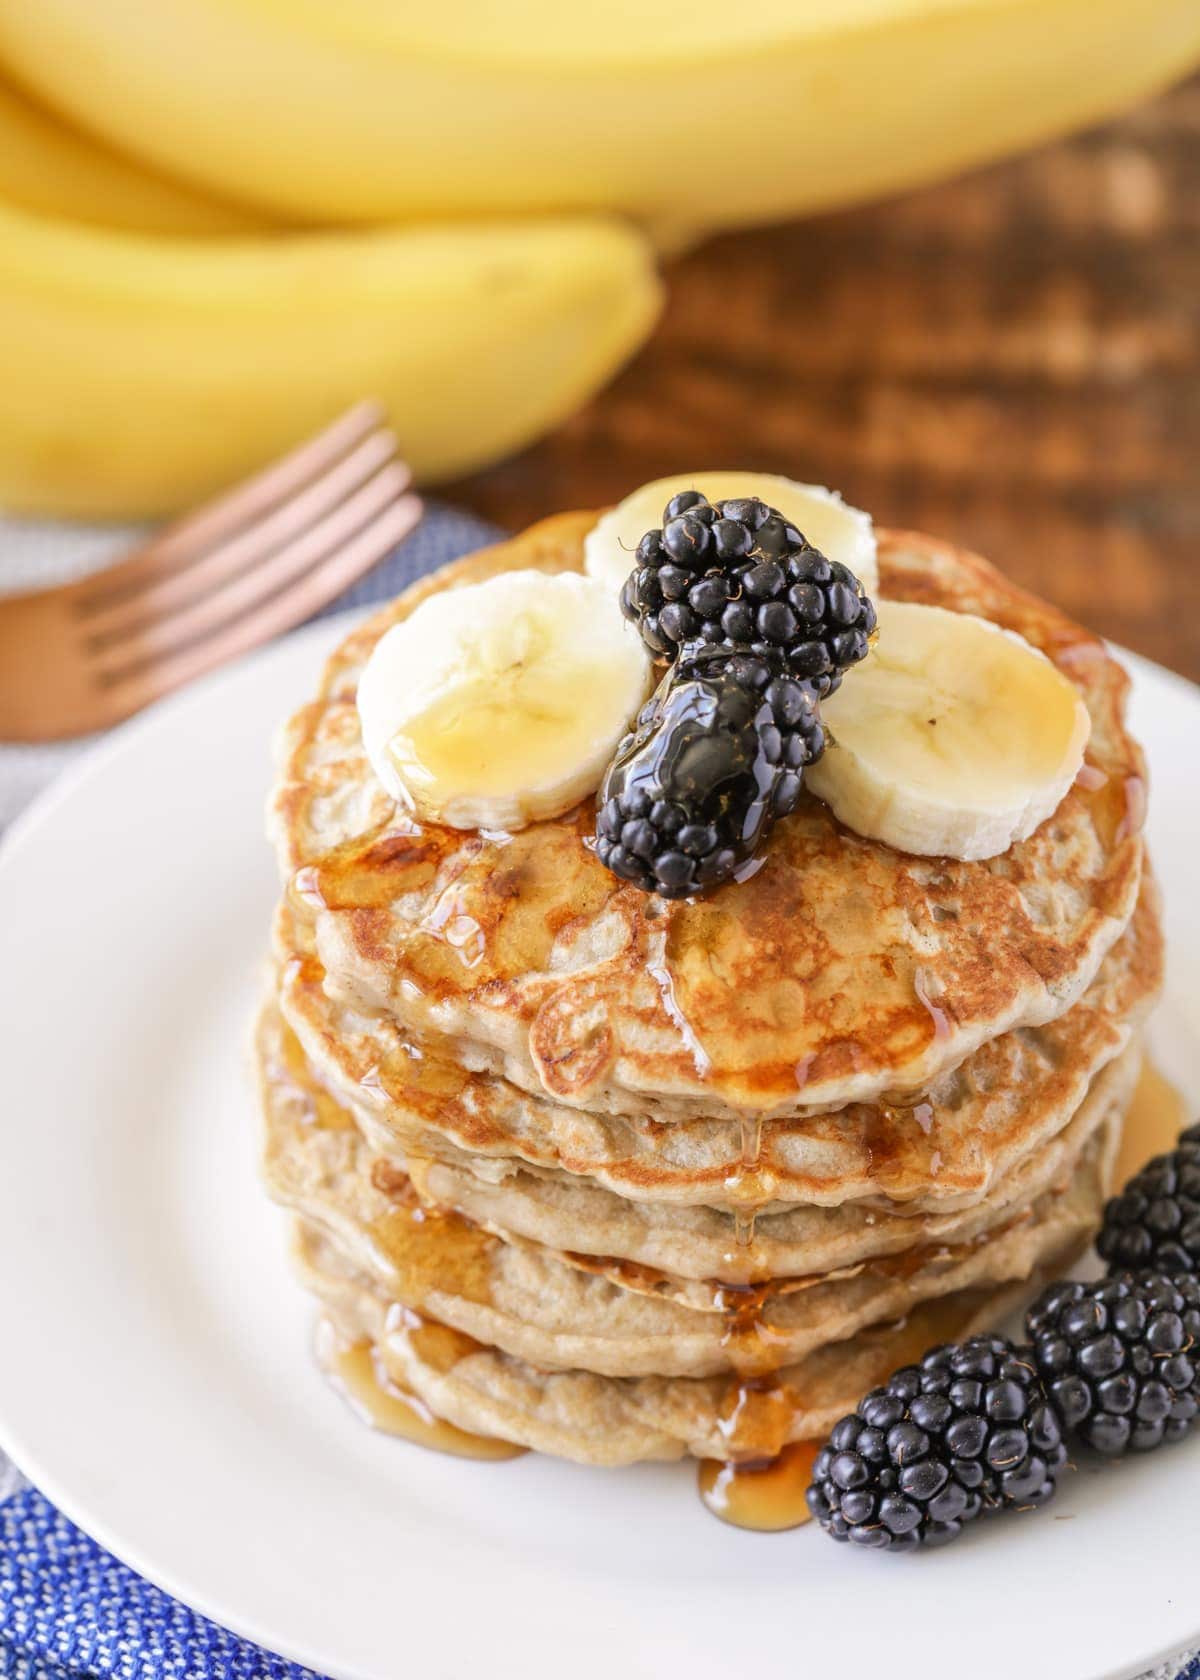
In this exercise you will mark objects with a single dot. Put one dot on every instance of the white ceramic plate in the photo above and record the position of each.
(158, 1383)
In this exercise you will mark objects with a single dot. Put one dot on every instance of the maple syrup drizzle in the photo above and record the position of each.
(438, 1345)
(659, 971)
(1116, 802)
(357, 1374)
(762, 1483)
(290, 1068)
(373, 869)
(414, 1071)
(756, 1418)
(751, 1136)
(749, 1342)
(430, 1246)
(488, 912)
(743, 1228)
(431, 1249)
(900, 1141)
(449, 922)
(745, 1184)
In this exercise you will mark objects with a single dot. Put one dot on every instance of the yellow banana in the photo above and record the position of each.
(50, 167)
(367, 110)
(142, 373)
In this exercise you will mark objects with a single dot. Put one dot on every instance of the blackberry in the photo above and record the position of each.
(1119, 1358)
(1155, 1221)
(740, 575)
(718, 754)
(967, 1430)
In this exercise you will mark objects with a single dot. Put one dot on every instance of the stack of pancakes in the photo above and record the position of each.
(622, 1179)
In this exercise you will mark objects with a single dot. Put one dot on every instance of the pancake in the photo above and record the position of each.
(839, 971)
(606, 1421)
(548, 1308)
(970, 1127)
(594, 1226)
(618, 1178)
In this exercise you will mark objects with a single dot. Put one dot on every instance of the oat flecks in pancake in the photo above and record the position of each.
(840, 970)
(542, 1305)
(970, 1127)
(614, 1421)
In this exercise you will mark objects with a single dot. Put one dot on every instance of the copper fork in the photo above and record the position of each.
(254, 562)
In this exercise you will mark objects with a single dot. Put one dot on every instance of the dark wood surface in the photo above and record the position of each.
(1011, 360)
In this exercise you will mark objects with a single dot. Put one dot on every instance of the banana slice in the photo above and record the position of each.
(954, 738)
(840, 531)
(501, 703)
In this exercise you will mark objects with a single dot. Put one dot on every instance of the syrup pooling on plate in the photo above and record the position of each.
(762, 1484)
(1157, 1114)
(766, 1497)
(759, 1407)
(355, 1371)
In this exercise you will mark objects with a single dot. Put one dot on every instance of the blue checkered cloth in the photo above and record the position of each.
(68, 1609)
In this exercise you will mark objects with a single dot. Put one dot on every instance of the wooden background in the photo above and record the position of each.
(1011, 360)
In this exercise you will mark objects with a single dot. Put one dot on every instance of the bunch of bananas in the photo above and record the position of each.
(453, 207)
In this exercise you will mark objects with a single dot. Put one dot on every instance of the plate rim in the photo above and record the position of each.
(21, 834)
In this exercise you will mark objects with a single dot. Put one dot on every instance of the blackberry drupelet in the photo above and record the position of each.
(739, 575)
(967, 1430)
(1119, 1358)
(1155, 1221)
(718, 754)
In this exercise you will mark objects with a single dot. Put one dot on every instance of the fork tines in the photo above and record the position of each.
(252, 563)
